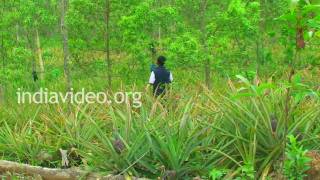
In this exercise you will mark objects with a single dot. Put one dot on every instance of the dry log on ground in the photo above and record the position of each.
(314, 171)
(53, 174)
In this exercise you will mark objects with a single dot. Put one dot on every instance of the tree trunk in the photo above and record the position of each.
(159, 37)
(2, 97)
(39, 54)
(64, 33)
(258, 54)
(207, 73)
(207, 68)
(54, 174)
(17, 33)
(3, 52)
(107, 43)
(30, 45)
(260, 36)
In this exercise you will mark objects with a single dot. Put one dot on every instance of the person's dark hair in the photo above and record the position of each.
(161, 60)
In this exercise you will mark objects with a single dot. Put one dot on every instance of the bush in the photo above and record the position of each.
(296, 163)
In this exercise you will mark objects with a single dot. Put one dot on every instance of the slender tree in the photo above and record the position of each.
(3, 51)
(107, 42)
(64, 33)
(203, 37)
(39, 53)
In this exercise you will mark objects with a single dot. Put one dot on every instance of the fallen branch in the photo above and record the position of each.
(53, 174)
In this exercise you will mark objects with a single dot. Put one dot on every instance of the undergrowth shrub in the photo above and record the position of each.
(296, 162)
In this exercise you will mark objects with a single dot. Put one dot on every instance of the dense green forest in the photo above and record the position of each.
(243, 102)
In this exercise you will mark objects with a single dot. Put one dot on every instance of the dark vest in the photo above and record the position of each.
(162, 76)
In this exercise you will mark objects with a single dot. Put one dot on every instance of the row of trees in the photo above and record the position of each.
(201, 34)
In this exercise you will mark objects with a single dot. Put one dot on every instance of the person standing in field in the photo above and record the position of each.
(160, 77)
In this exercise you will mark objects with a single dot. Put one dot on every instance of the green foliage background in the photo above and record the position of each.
(245, 49)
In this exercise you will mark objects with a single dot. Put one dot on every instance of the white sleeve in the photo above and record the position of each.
(152, 78)
(171, 77)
